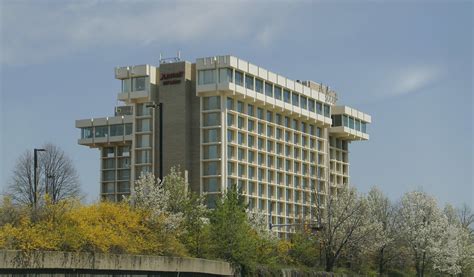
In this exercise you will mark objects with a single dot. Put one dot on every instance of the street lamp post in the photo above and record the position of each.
(35, 178)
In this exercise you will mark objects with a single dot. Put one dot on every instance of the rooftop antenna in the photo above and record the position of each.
(171, 59)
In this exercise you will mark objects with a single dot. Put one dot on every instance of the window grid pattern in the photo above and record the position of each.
(339, 164)
(115, 172)
(276, 173)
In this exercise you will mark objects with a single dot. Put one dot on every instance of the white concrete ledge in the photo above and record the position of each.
(10, 259)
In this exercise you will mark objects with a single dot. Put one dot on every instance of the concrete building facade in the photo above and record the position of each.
(225, 121)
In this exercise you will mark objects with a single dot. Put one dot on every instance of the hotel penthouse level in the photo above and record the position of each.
(225, 121)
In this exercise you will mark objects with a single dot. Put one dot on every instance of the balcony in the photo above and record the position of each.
(349, 123)
(104, 131)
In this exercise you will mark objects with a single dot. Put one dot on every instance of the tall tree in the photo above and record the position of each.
(56, 176)
(231, 232)
(428, 233)
(382, 212)
(345, 223)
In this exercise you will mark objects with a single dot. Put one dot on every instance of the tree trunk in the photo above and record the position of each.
(381, 261)
(329, 263)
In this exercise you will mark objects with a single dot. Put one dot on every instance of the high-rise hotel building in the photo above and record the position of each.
(225, 121)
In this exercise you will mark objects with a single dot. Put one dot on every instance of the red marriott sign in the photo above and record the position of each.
(171, 78)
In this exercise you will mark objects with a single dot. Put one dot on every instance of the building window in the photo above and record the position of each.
(249, 81)
(278, 93)
(240, 106)
(351, 122)
(357, 125)
(268, 89)
(230, 103)
(304, 102)
(212, 119)
(211, 168)
(211, 135)
(225, 75)
(240, 122)
(364, 127)
(230, 136)
(327, 110)
(143, 156)
(128, 129)
(116, 130)
(311, 105)
(251, 141)
(230, 119)
(319, 108)
(336, 120)
(239, 78)
(143, 125)
(259, 85)
(260, 113)
(211, 152)
(126, 85)
(211, 103)
(251, 125)
(206, 77)
(101, 131)
(269, 116)
(143, 141)
(250, 110)
(295, 100)
(211, 185)
(286, 96)
(139, 83)
(86, 132)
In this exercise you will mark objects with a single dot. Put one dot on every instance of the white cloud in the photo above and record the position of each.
(33, 32)
(414, 78)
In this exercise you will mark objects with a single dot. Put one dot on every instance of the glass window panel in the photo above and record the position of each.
(86, 132)
(128, 128)
(249, 81)
(212, 119)
(211, 103)
(139, 83)
(123, 174)
(357, 125)
(108, 175)
(108, 164)
(108, 188)
(101, 131)
(123, 163)
(260, 113)
(319, 108)
(259, 85)
(278, 93)
(230, 103)
(287, 96)
(230, 119)
(123, 186)
(206, 77)
(211, 152)
(304, 102)
(311, 105)
(239, 78)
(211, 184)
(364, 127)
(116, 130)
(143, 141)
(250, 110)
(211, 135)
(327, 110)
(143, 156)
(295, 99)
(240, 106)
(268, 89)
(351, 122)
(126, 85)
(225, 75)
(143, 125)
(211, 168)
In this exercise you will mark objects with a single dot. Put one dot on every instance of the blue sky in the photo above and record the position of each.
(409, 64)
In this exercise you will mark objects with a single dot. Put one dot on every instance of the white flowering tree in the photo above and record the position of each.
(346, 224)
(431, 237)
(382, 213)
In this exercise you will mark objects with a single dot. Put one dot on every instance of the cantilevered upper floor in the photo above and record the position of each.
(349, 123)
(245, 80)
